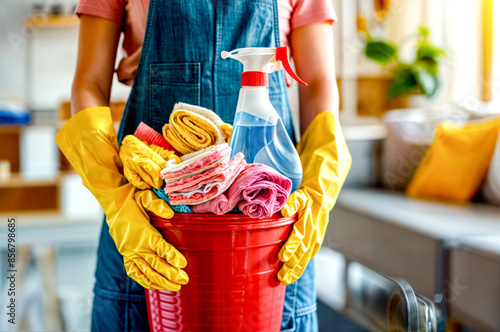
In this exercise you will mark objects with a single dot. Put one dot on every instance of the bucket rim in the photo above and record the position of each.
(228, 222)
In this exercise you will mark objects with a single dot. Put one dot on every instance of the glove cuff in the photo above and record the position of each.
(326, 122)
(86, 123)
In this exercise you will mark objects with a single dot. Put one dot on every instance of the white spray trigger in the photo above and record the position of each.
(263, 59)
(252, 58)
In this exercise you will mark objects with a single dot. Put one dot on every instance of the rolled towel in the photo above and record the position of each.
(218, 179)
(192, 128)
(211, 115)
(147, 134)
(259, 191)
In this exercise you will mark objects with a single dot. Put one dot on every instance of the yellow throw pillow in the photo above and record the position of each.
(457, 161)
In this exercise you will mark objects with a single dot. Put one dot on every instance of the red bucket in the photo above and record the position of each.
(232, 264)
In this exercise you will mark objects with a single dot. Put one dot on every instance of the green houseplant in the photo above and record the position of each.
(418, 77)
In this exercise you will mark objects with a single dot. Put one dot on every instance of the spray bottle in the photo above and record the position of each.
(258, 131)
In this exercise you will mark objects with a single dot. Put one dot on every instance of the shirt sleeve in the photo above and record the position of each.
(306, 12)
(113, 10)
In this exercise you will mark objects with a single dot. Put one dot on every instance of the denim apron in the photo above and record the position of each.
(180, 62)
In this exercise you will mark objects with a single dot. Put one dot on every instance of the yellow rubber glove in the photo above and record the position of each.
(161, 267)
(164, 153)
(227, 131)
(325, 162)
(141, 164)
(89, 142)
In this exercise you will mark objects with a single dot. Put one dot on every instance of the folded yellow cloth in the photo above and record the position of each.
(192, 128)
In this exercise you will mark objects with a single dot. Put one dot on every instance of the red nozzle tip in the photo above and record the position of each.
(282, 55)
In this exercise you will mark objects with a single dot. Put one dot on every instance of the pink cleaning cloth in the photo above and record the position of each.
(194, 165)
(220, 173)
(259, 191)
(147, 134)
(203, 187)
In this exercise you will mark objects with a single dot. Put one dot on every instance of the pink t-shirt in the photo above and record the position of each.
(132, 16)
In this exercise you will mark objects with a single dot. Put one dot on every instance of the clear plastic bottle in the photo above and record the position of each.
(258, 131)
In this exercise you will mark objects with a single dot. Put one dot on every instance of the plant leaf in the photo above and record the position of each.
(427, 82)
(427, 57)
(423, 31)
(404, 82)
(428, 64)
(426, 50)
(380, 51)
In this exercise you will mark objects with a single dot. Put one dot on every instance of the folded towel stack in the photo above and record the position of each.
(201, 175)
(258, 191)
(203, 187)
(196, 162)
(193, 128)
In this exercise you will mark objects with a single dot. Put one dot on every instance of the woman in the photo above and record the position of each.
(174, 56)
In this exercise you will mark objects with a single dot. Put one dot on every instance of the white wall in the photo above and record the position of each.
(465, 42)
(12, 52)
(50, 54)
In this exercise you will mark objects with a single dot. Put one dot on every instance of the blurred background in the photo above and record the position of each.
(414, 241)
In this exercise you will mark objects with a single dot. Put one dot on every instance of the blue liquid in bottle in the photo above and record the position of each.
(250, 135)
(266, 143)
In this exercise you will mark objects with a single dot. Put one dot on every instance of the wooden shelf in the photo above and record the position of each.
(17, 181)
(10, 146)
(59, 21)
(20, 194)
(31, 195)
